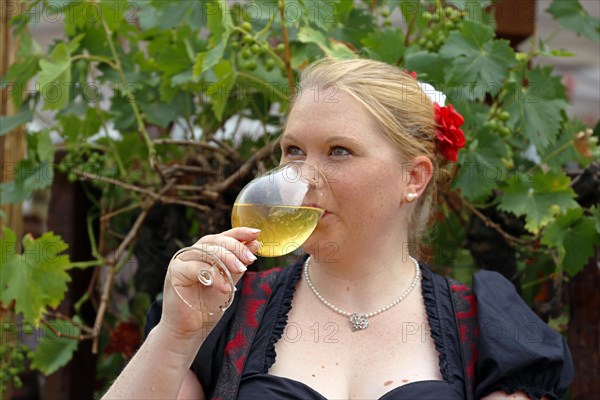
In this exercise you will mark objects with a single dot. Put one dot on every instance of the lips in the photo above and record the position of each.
(314, 205)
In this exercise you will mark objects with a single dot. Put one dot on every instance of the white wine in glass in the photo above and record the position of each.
(283, 228)
(286, 204)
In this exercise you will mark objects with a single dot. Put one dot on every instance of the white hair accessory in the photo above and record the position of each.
(434, 95)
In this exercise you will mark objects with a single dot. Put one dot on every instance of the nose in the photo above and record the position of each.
(318, 185)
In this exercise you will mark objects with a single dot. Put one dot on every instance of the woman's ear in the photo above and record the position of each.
(420, 172)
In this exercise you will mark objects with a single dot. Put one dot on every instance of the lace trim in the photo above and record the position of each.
(282, 314)
(428, 292)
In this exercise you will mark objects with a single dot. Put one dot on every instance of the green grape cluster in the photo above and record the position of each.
(497, 121)
(385, 14)
(251, 50)
(13, 356)
(91, 162)
(439, 25)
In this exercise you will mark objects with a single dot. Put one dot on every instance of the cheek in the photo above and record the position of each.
(366, 191)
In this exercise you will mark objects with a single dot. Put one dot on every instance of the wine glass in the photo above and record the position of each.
(213, 289)
(285, 203)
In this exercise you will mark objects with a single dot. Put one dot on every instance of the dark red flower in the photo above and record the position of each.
(125, 339)
(413, 74)
(449, 135)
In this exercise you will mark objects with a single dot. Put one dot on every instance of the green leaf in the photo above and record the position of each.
(481, 168)
(77, 128)
(360, 22)
(563, 151)
(29, 176)
(111, 11)
(218, 21)
(45, 147)
(37, 278)
(18, 76)
(208, 59)
(53, 351)
(55, 78)
(170, 57)
(476, 58)
(428, 66)
(571, 15)
(574, 236)
(386, 45)
(160, 114)
(310, 35)
(7, 124)
(219, 95)
(334, 49)
(339, 50)
(220, 24)
(323, 14)
(537, 196)
(538, 108)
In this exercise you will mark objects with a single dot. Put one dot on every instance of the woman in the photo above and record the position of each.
(374, 128)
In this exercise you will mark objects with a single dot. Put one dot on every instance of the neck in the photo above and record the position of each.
(362, 281)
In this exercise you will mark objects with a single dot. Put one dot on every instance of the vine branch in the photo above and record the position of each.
(245, 168)
(491, 224)
(287, 53)
(112, 264)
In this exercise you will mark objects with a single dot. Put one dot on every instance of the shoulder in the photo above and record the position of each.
(517, 350)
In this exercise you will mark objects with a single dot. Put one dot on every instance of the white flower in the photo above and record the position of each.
(434, 95)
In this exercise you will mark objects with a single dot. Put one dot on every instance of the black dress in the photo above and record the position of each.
(517, 351)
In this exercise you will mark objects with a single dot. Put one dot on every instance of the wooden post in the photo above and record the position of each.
(12, 145)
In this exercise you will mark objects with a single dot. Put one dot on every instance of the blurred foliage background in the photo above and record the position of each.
(158, 112)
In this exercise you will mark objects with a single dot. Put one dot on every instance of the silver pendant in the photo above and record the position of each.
(359, 322)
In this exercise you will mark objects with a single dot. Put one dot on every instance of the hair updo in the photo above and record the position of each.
(402, 112)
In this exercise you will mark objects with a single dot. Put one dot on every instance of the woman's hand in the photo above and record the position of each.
(235, 248)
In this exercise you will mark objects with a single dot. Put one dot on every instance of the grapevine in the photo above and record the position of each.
(439, 24)
(13, 356)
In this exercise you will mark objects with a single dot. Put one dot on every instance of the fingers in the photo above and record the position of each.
(242, 234)
(196, 268)
(235, 247)
(203, 275)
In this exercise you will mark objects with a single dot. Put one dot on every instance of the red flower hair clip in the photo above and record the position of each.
(450, 137)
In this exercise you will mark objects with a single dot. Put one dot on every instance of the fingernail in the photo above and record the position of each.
(253, 230)
(240, 266)
(250, 256)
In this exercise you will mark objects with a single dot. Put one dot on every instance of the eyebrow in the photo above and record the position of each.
(330, 139)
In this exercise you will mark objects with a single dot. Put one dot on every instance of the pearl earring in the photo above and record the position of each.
(411, 196)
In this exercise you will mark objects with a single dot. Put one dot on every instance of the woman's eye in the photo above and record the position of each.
(293, 151)
(339, 151)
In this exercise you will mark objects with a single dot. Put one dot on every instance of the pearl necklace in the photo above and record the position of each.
(361, 321)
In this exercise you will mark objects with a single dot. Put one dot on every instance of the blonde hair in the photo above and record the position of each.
(403, 113)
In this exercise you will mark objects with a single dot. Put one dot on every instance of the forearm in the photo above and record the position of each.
(157, 370)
